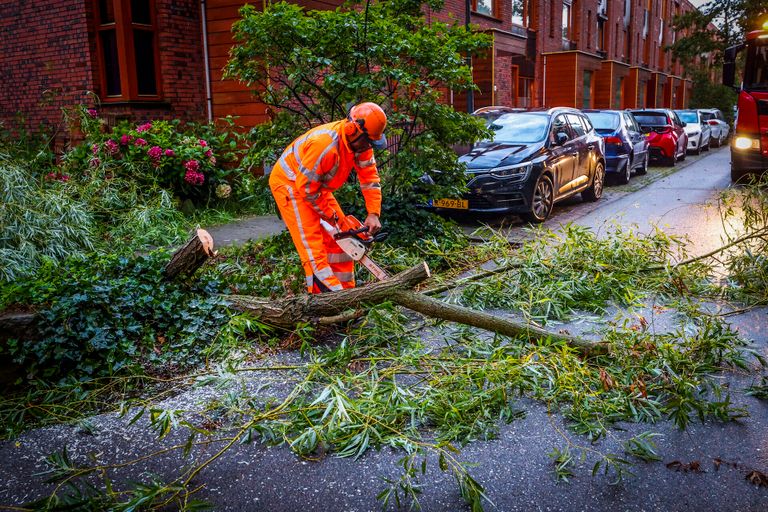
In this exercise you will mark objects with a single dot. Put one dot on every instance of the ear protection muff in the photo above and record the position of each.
(353, 128)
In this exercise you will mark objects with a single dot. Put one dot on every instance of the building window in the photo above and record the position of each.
(601, 34)
(618, 92)
(589, 29)
(519, 13)
(627, 11)
(646, 16)
(587, 89)
(523, 93)
(486, 7)
(127, 45)
(567, 20)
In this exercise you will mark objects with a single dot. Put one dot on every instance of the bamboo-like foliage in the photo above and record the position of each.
(37, 222)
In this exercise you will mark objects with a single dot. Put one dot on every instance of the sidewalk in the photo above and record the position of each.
(251, 228)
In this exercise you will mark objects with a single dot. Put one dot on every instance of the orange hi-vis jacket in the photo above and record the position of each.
(320, 161)
(303, 180)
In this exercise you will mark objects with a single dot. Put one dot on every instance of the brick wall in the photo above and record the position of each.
(45, 60)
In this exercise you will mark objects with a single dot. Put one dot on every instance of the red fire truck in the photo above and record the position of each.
(749, 149)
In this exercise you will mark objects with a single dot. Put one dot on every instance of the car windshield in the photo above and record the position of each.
(604, 120)
(519, 128)
(688, 116)
(650, 118)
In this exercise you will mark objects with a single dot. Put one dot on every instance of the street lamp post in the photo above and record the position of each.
(470, 92)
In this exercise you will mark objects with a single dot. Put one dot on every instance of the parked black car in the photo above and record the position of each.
(626, 146)
(535, 159)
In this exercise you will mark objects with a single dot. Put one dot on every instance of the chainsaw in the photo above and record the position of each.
(355, 241)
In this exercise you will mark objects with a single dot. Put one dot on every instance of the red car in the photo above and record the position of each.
(666, 136)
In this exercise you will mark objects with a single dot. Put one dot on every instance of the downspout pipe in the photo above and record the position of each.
(206, 61)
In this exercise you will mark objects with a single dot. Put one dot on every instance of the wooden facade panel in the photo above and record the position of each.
(560, 86)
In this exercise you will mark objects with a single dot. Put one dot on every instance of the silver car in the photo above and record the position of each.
(716, 121)
(698, 131)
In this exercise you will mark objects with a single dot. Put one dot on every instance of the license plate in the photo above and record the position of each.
(459, 204)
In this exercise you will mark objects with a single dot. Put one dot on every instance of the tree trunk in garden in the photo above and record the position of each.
(323, 308)
(191, 256)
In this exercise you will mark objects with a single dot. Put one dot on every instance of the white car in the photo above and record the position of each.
(716, 121)
(698, 131)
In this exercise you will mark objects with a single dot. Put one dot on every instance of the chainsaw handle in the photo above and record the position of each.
(350, 233)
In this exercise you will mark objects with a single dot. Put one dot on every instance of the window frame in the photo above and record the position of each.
(494, 9)
(123, 27)
(567, 30)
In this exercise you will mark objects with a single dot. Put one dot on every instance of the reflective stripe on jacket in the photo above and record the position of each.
(320, 161)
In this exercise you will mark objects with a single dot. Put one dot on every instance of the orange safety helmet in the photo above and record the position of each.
(372, 121)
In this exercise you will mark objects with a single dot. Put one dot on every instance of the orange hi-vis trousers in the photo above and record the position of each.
(326, 266)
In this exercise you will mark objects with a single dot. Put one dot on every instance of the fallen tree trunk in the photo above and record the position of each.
(286, 313)
(191, 256)
(325, 308)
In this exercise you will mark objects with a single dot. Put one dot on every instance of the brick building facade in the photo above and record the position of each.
(163, 58)
(54, 54)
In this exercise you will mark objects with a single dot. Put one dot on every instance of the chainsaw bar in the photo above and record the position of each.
(357, 250)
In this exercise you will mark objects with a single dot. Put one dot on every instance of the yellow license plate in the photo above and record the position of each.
(460, 204)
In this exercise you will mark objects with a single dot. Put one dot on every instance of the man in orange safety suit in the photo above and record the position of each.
(304, 178)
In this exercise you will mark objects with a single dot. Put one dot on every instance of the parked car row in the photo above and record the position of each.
(538, 157)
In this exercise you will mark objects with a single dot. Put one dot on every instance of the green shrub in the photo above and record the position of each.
(109, 313)
(196, 162)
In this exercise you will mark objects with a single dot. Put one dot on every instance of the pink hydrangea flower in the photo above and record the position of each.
(208, 153)
(125, 139)
(95, 149)
(169, 152)
(95, 162)
(140, 142)
(155, 152)
(143, 127)
(194, 177)
(192, 165)
(202, 143)
(93, 112)
(50, 176)
(112, 147)
(64, 177)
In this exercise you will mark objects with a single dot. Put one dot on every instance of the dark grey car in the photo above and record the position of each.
(535, 159)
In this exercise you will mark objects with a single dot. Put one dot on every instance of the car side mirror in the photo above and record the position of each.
(683, 124)
(561, 138)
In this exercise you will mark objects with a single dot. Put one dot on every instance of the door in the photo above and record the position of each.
(564, 153)
(636, 138)
(583, 163)
(679, 133)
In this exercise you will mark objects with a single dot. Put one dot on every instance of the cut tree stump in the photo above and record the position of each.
(191, 256)
(327, 307)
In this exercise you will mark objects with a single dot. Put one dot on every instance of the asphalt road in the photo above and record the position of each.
(515, 468)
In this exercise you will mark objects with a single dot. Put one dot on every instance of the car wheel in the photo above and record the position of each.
(644, 168)
(671, 161)
(716, 143)
(697, 151)
(542, 202)
(625, 174)
(595, 191)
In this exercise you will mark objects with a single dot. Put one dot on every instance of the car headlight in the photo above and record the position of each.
(693, 134)
(746, 143)
(512, 171)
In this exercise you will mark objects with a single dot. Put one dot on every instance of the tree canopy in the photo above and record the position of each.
(310, 66)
